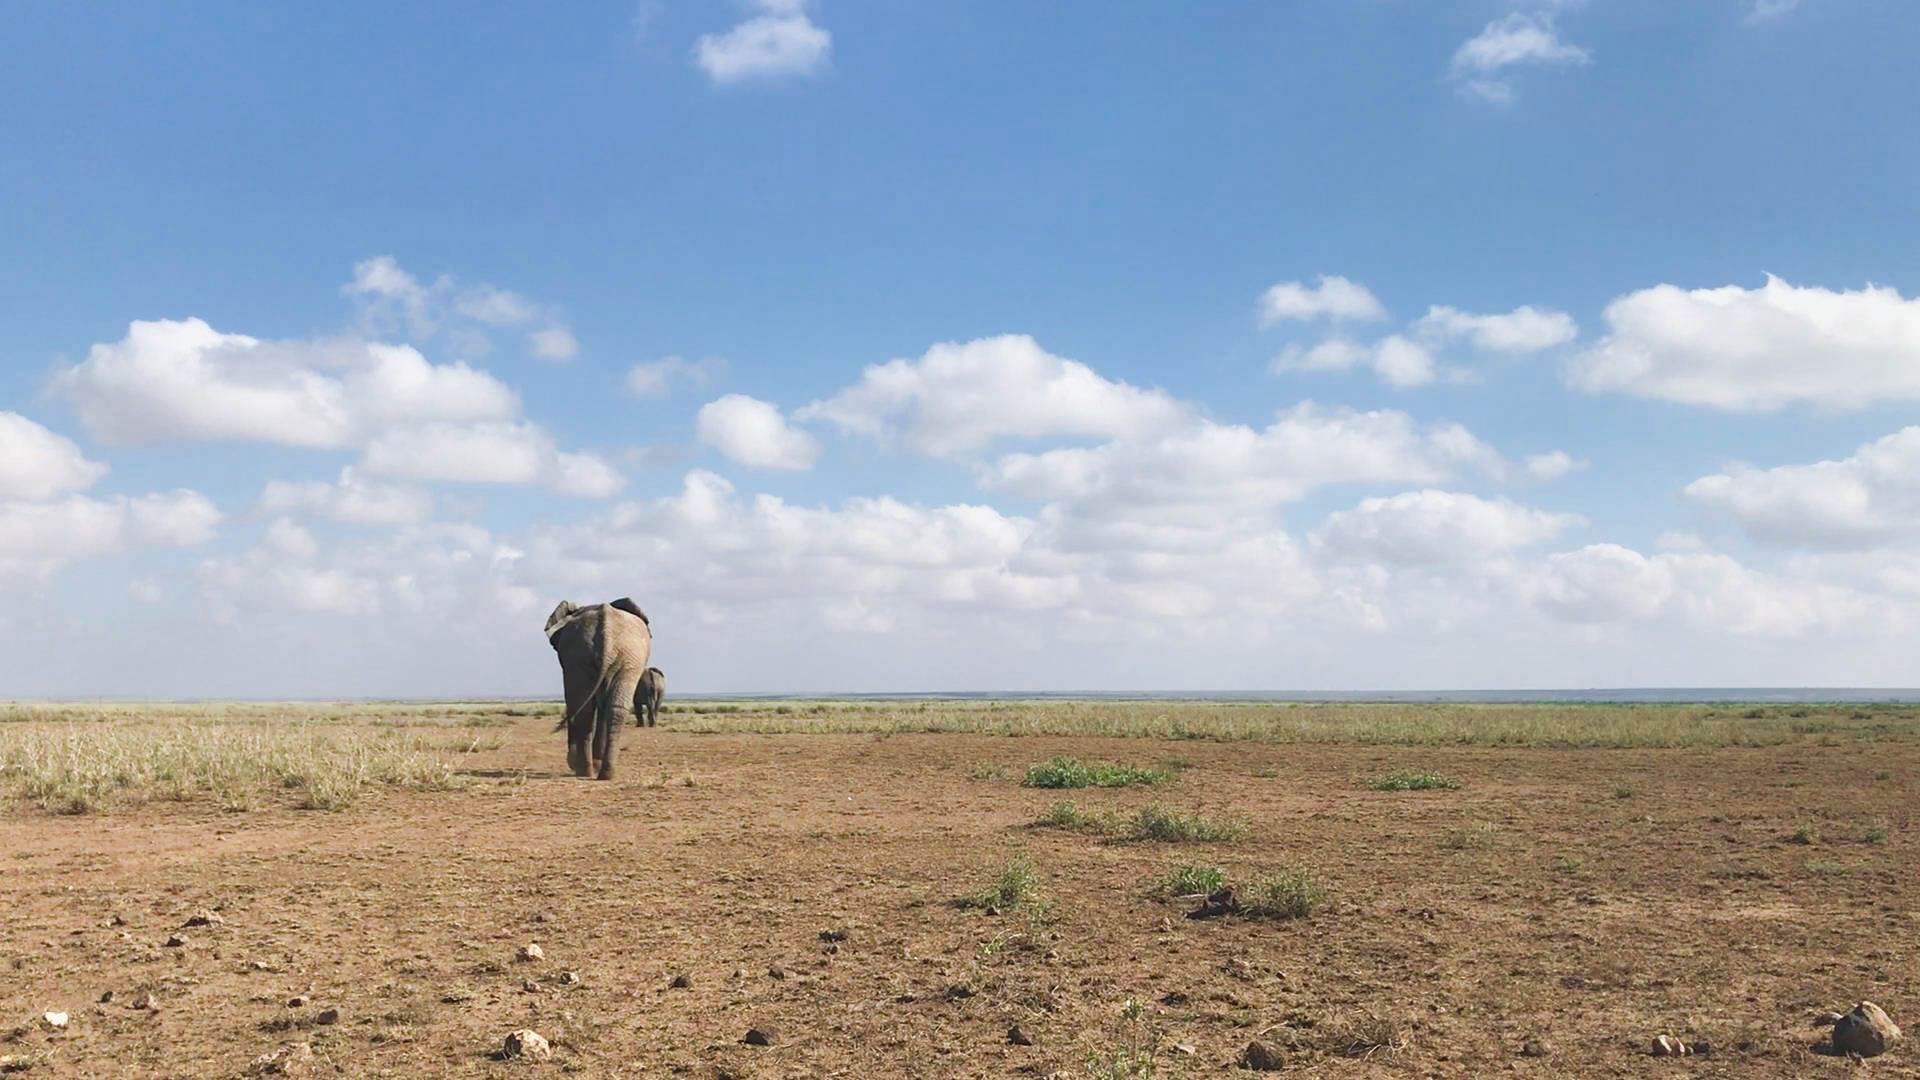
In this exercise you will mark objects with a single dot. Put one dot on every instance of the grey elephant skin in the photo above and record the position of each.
(603, 651)
(646, 700)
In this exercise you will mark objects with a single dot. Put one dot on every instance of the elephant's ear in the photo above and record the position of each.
(560, 615)
(627, 605)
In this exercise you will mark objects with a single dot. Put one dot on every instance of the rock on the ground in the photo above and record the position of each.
(175, 941)
(529, 952)
(291, 1059)
(568, 978)
(1668, 1046)
(205, 917)
(327, 1016)
(459, 995)
(1018, 1036)
(682, 981)
(1867, 1031)
(526, 1043)
(106, 996)
(763, 1035)
(1259, 1057)
(144, 1000)
(1536, 1047)
(299, 1001)
(776, 972)
(54, 1020)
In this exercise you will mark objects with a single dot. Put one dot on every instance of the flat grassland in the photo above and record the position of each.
(1421, 890)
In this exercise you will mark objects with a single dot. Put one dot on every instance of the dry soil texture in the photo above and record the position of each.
(1587, 899)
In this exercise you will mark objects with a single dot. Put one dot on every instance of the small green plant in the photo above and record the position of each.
(1283, 894)
(1570, 864)
(1410, 780)
(1828, 868)
(1626, 791)
(1807, 833)
(1875, 833)
(1159, 822)
(984, 770)
(1017, 889)
(1192, 879)
(1741, 873)
(1136, 1053)
(1068, 815)
(1067, 772)
(1883, 775)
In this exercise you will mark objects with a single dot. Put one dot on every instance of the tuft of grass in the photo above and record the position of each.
(1476, 837)
(1192, 879)
(1875, 833)
(986, 771)
(1364, 1035)
(1068, 815)
(1134, 1054)
(1161, 823)
(1807, 833)
(1411, 780)
(1283, 894)
(1068, 772)
(1834, 868)
(1626, 791)
(1016, 889)
(1570, 864)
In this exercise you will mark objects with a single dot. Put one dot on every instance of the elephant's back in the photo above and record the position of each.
(628, 634)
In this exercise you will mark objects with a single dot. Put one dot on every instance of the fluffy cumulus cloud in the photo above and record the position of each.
(391, 300)
(352, 498)
(1757, 350)
(1483, 65)
(38, 538)
(1869, 498)
(1397, 360)
(1551, 465)
(37, 464)
(1334, 297)
(752, 432)
(489, 453)
(780, 40)
(1524, 329)
(1429, 526)
(959, 398)
(184, 381)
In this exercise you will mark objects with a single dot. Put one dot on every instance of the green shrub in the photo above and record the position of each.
(1408, 780)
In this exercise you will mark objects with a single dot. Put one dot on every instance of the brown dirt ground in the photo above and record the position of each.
(1591, 919)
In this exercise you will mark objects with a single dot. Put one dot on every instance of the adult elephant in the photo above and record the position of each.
(603, 651)
(646, 700)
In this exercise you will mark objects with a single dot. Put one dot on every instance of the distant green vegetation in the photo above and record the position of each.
(1155, 822)
(1067, 772)
(1406, 780)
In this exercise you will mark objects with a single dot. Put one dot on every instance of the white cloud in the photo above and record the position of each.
(1397, 360)
(1305, 448)
(1764, 10)
(1334, 297)
(1869, 498)
(753, 433)
(351, 499)
(1419, 527)
(1524, 329)
(37, 464)
(655, 379)
(781, 40)
(960, 397)
(37, 538)
(183, 381)
(1519, 39)
(488, 453)
(1756, 350)
(1551, 465)
(409, 579)
(553, 343)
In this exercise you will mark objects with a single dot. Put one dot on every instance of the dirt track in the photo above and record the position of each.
(1612, 896)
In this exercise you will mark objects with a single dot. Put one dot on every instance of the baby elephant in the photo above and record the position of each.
(646, 697)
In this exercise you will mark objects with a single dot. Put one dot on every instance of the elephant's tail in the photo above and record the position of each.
(593, 696)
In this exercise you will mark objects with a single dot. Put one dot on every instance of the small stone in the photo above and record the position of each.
(739, 973)
(776, 972)
(1259, 1057)
(175, 941)
(1867, 1031)
(682, 981)
(54, 1020)
(299, 1001)
(1018, 1037)
(960, 992)
(837, 933)
(568, 978)
(529, 952)
(1536, 1048)
(259, 965)
(144, 1000)
(528, 986)
(116, 920)
(290, 1059)
(459, 995)
(1174, 997)
(1183, 1048)
(106, 996)
(1668, 1046)
(763, 1035)
(526, 1043)
(205, 917)
(327, 1016)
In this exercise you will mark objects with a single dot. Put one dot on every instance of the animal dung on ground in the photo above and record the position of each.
(1259, 1057)
(762, 1035)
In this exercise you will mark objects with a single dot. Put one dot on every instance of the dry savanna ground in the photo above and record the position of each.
(1419, 890)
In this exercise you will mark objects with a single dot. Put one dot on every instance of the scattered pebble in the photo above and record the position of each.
(54, 1020)
(834, 934)
(568, 978)
(1018, 1037)
(459, 995)
(299, 1001)
(1536, 1048)
(526, 1043)
(327, 1016)
(1669, 1046)
(144, 1000)
(960, 992)
(1183, 1048)
(175, 941)
(106, 996)
(205, 917)
(289, 1060)
(776, 972)
(530, 987)
(763, 1035)
(529, 952)
(682, 981)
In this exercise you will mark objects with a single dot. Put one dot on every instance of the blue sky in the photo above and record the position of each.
(1335, 345)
